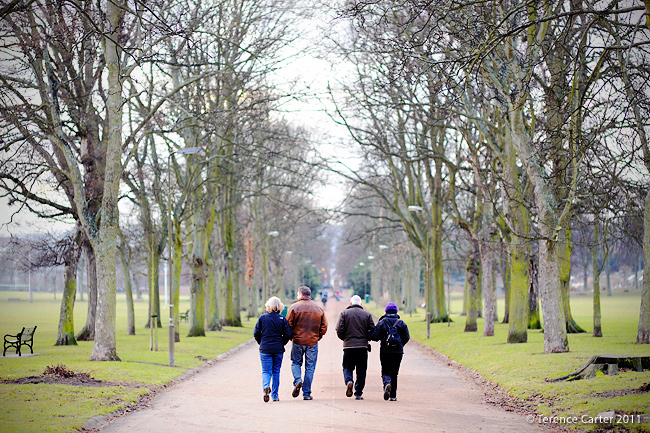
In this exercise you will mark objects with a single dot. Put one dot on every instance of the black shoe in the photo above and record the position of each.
(307, 397)
(386, 391)
(358, 397)
(267, 391)
(393, 399)
(276, 399)
(296, 390)
(348, 391)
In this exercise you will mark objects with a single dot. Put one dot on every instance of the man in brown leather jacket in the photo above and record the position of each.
(308, 325)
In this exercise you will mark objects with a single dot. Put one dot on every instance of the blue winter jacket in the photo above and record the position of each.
(381, 332)
(272, 332)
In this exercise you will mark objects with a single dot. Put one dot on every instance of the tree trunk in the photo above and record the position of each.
(214, 319)
(565, 247)
(519, 218)
(105, 242)
(104, 348)
(233, 316)
(519, 284)
(199, 270)
(534, 321)
(555, 337)
(65, 335)
(472, 278)
(505, 276)
(128, 289)
(87, 333)
(608, 272)
(643, 334)
(487, 267)
(153, 278)
(598, 332)
(177, 246)
(440, 306)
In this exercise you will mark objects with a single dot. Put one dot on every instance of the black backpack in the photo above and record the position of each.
(392, 337)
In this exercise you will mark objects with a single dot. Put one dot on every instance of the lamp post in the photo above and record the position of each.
(184, 151)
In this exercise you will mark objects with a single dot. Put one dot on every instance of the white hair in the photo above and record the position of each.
(355, 300)
(274, 304)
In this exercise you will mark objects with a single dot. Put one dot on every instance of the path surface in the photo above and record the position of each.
(227, 397)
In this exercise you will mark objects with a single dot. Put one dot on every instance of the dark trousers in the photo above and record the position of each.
(390, 363)
(356, 358)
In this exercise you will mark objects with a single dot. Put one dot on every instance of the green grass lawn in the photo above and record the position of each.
(522, 369)
(63, 408)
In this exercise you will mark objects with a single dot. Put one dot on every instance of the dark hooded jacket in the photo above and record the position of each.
(381, 332)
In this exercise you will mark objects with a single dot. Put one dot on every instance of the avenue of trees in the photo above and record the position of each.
(499, 140)
(514, 131)
(98, 101)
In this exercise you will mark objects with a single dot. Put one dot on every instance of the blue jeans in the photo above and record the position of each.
(310, 353)
(271, 364)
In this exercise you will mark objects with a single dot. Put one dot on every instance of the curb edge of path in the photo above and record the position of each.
(97, 423)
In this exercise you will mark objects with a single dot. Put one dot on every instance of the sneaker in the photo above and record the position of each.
(358, 397)
(393, 399)
(386, 391)
(267, 391)
(296, 390)
(348, 391)
(276, 399)
(307, 397)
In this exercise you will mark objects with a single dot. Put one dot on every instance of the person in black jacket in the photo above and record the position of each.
(391, 349)
(272, 333)
(355, 327)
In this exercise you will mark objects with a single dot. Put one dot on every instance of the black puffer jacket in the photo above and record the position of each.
(355, 326)
(381, 332)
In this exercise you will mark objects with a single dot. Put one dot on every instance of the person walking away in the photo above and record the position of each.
(324, 299)
(308, 325)
(393, 334)
(355, 326)
(272, 333)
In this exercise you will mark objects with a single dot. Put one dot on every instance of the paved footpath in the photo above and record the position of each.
(227, 397)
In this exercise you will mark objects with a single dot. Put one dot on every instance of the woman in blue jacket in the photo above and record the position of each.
(393, 334)
(272, 333)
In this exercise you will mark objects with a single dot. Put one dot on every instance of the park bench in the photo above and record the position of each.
(23, 338)
(185, 316)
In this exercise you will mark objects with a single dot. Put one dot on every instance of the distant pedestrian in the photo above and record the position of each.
(355, 327)
(272, 333)
(308, 325)
(393, 334)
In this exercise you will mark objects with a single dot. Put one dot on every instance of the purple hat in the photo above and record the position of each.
(391, 307)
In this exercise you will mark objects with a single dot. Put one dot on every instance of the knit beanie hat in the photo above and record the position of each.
(391, 307)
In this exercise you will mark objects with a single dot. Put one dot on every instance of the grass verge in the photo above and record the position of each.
(522, 369)
(60, 408)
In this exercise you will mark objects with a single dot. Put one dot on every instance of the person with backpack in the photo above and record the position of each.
(393, 334)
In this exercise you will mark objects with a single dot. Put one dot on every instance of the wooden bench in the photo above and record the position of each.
(185, 316)
(23, 338)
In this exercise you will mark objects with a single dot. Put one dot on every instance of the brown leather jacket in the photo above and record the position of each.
(307, 322)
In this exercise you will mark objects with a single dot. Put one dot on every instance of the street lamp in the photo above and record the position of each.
(183, 151)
